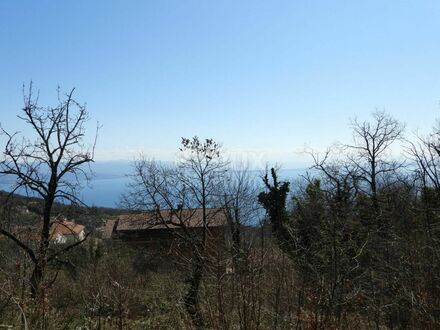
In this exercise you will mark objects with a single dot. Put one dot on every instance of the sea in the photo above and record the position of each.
(111, 178)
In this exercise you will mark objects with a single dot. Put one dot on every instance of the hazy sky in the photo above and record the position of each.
(263, 77)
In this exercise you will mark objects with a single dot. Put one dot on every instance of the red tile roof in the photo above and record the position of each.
(59, 226)
(65, 227)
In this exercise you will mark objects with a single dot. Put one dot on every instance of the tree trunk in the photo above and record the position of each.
(191, 297)
(35, 280)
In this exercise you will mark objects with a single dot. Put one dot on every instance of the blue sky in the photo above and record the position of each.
(263, 77)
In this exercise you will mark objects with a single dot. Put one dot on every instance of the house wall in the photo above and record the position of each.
(70, 238)
(164, 241)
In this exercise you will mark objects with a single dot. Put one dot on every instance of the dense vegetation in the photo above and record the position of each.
(353, 244)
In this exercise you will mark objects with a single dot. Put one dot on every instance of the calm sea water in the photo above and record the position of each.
(107, 192)
(104, 192)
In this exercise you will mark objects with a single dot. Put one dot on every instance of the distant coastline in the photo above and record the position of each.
(110, 181)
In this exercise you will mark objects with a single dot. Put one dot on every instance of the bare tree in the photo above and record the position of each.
(240, 205)
(195, 182)
(50, 166)
(426, 153)
(370, 150)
